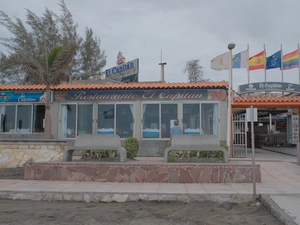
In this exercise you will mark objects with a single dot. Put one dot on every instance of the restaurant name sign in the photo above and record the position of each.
(127, 95)
(269, 86)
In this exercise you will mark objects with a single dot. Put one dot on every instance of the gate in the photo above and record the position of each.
(239, 135)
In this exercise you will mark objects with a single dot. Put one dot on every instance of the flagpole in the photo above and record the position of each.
(230, 47)
(248, 65)
(265, 63)
(281, 66)
(298, 64)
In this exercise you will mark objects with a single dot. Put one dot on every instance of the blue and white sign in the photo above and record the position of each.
(124, 70)
(269, 86)
(9, 96)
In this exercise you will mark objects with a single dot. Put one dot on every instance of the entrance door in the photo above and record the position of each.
(239, 136)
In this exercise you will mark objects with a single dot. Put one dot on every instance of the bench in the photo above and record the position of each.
(195, 142)
(96, 142)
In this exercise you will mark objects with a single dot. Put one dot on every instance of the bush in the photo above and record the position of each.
(171, 159)
(169, 144)
(224, 146)
(131, 145)
(98, 154)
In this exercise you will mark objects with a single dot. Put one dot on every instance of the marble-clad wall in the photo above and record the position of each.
(16, 154)
(151, 173)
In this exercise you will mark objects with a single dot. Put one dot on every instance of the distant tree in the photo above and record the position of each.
(3, 74)
(52, 71)
(194, 71)
(47, 31)
(92, 59)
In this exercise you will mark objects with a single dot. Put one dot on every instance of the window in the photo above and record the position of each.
(22, 118)
(8, 118)
(197, 118)
(191, 119)
(38, 118)
(79, 119)
(85, 119)
(106, 119)
(151, 121)
(124, 120)
(210, 118)
(168, 112)
(157, 119)
(68, 121)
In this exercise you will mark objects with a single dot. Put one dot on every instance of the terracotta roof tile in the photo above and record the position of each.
(116, 86)
(266, 99)
(142, 85)
(22, 87)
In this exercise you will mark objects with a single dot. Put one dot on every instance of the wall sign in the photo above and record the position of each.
(9, 96)
(121, 72)
(132, 95)
(268, 86)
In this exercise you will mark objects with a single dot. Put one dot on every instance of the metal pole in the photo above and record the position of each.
(162, 68)
(230, 47)
(253, 154)
(229, 104)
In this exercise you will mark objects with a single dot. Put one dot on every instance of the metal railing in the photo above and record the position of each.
(279, 139)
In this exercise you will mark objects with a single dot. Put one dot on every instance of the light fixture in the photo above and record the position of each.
(231, 46)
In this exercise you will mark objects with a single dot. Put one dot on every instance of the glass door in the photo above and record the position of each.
(85, 119)
(169, 113)
(68, 121)
(106, 119)
(124, 120)
(191, 118)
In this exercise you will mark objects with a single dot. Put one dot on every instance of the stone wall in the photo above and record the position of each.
(17, 153)
(133, 172)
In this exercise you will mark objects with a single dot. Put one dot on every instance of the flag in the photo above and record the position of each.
(109, 114)
(241, 60)
(274, 61)
(220, 62)
(291, 60)
(257, 61)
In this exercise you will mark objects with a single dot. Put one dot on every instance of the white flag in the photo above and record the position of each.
(221, 62)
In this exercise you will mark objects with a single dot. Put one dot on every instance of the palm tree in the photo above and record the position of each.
(51, 72)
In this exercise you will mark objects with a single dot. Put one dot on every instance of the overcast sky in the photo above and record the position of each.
(183, 29)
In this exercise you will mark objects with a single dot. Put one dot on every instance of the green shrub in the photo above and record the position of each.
(224, 146)
(169, 144)
(131, 144)
(171, 159)
(98, 154)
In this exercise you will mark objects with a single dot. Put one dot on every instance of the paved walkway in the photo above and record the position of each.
(279, 189)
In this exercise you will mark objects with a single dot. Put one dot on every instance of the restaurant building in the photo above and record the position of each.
(145, 110)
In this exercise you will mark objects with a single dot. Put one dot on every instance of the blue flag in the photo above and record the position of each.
(274, 61)
(240, 60)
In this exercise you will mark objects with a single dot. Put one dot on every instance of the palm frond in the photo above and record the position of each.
(53, 54)
(62, 61)
(28, 65)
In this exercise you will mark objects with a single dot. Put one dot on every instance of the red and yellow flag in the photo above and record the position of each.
(257, 61)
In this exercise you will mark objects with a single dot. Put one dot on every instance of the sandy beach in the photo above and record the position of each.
(139, 213)
(133, 213)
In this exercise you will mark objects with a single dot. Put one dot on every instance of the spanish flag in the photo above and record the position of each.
(257, 61)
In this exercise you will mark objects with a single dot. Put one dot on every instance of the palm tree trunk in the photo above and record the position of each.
(47, 114)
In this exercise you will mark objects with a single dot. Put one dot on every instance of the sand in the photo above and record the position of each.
(131, 213)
